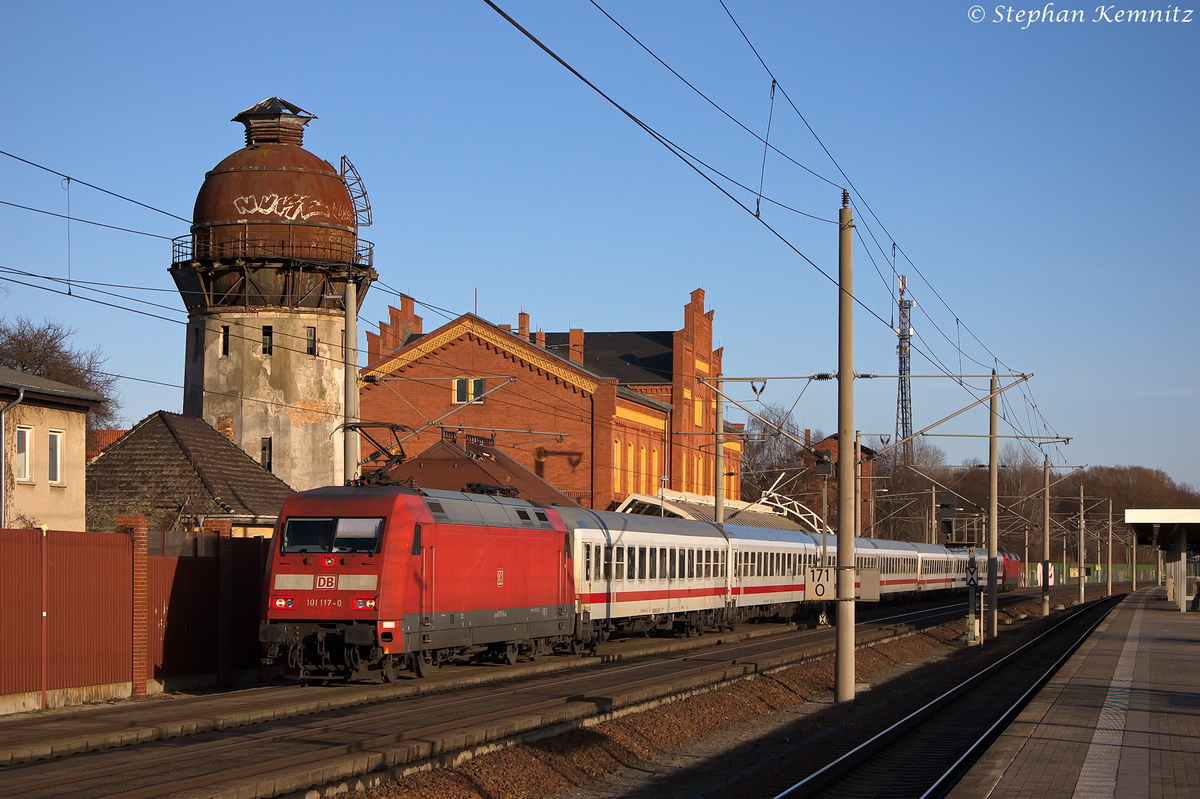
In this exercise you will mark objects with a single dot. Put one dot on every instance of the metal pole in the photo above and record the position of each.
(719, 483)
(1045, 536)
(993, 509)
(350, 362)
(1181, 569)
(1082, 552)
(1025, 562)
(825, 520)
(1133, 565)
(858, 532)
(1108, 571)
(844, 651)
(933, 515)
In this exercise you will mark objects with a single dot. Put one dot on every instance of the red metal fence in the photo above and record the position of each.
(74, 612)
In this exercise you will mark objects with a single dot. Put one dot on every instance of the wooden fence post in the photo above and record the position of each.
(138, 528)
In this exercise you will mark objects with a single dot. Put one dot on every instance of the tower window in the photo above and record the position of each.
(311, 338)
(197, 342)
(224, 341)
(264, 456)
(468, 390)
(268, 339)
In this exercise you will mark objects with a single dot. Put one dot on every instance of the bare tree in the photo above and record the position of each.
(770, 453)
(45, 351)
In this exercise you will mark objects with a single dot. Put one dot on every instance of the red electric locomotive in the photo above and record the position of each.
(367, 581)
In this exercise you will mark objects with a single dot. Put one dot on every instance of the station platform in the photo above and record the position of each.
(1121, 719)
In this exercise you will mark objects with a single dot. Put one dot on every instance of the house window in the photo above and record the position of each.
(310, 335)
(268, 339)
(224, 341)
(54, 456)
(22, 466)
(468, 390)
(264, 456)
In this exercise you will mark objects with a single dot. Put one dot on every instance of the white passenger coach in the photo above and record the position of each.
(643, 573)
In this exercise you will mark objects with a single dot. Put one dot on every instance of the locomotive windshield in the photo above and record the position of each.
(360, 536)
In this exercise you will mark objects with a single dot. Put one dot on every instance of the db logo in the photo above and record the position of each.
(326, 581)
(499, 576)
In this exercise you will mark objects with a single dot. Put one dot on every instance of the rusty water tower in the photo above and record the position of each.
(266, 273)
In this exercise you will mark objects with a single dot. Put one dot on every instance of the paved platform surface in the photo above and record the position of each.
(1121, 719)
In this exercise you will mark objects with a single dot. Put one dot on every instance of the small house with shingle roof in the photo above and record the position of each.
(178, 471)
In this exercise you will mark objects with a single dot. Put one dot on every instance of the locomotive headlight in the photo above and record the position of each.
(284, 602)
(366, 602)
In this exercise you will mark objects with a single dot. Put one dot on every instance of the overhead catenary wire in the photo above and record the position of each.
(683, 155)
(97, 188)
(70, 218)
(712, 102)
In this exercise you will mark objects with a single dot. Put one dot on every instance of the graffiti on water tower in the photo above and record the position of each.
(289, 206)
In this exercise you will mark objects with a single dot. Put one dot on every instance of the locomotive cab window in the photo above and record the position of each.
(359, 536)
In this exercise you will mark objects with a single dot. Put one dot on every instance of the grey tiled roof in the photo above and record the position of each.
(171, 466)
(635, 357)
(14, 378)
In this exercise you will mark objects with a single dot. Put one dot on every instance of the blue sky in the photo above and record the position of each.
(1042, 179)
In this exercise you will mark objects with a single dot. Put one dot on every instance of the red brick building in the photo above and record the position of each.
(598, 415)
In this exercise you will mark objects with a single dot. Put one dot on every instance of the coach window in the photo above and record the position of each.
(708, 563)
(691, 563)
(682, 565)
(631, 571)
(620, 564)
(608, 559)
(671, 562)
(722, 563)
(653, 564)
(641, 563)
(662, 563)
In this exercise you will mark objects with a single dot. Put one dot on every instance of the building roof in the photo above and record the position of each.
(100, 440)
(635, 357)
(173, 468)
(448, 466)
(13, 380)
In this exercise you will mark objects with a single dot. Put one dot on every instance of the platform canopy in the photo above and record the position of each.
(1161, 526)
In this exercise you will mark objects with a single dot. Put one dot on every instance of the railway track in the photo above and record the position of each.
(925, 754)
(292, 753)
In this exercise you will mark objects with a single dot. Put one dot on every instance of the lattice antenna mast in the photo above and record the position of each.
(904, 391)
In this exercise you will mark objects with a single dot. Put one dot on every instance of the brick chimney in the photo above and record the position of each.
(507, 328)
(225, 426)
(523, 325)
(539, 338)
(575, 338)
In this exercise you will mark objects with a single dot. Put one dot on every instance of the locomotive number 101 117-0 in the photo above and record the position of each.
(324, 603)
